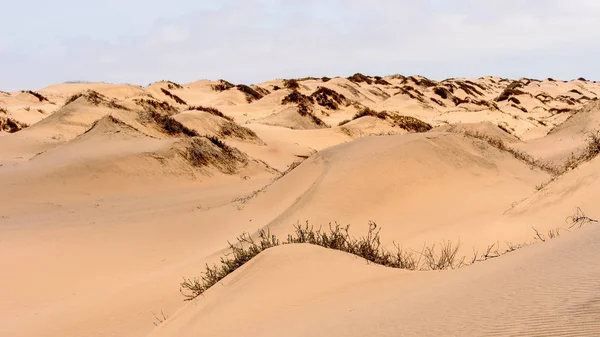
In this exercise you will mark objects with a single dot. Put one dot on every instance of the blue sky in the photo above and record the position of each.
(249, 41)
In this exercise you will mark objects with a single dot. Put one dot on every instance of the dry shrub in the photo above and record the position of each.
(156, 106)
(510, 90)
(424, 82)
(37, 95)
(444, 93)
(437, 101)
(210, 110)
(211, 151)
(10, 125)
(95, 98)
(410, 123)
(176, 98)
(231, 129)
(379, 80)
(168, 124)
(251, 94)
(575, 91)
(344, 122)
(405, 122)
(370, 112)
(360, 78)
(328, 98)
(291, 84)
(336, 237)
(514, 100)
(325, 79)
(468, 88)
(522, 156)
(304, 102)
(222, 86)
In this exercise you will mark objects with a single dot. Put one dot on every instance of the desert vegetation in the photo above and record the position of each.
(360, 78)
(212, 151)
(156, 106)
(168, 124)
(37, 95)
(10, 125)
(291, 84)
(511, 90)
(251, 94)
(408, 123)
(222, 86)
(437, 256)
(328, 98)
(174, 97)
(95, 98)
(210, 110)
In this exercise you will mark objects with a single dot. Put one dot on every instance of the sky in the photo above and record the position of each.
(249, 41)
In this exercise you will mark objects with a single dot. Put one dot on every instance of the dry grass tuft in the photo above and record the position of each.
(510, 90)
(329, 98)
(10, 125)
(156, 106)
(251, 94)
(210, 110)
(522, 156)
(37, 95)
(211, 151)
(291, 84)
(405, 122)
(368, 247)
(176, 98)
(222, 86)
(360, 78)
(95, 98)
(167, 124)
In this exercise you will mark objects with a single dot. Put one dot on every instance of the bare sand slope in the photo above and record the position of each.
(108, 201)
(299, 290)
(406, 183)
(568, 138)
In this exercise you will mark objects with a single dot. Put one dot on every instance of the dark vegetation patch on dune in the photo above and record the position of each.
(37, 95)
(10, 125)
(157, 106)
(210, 110)
(251, 94)
(424, 82)
(329, 98)
(511, 90)
(222, 86)
(405, 122)
(360, 78)
(305, 106)
(174, 97)
(96, 99)
(166, 124)
(291, 84)
(379, 80)
(211, 151)
(469, 88)
(411, 92)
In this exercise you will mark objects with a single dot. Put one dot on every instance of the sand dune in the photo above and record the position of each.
(112, 193)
